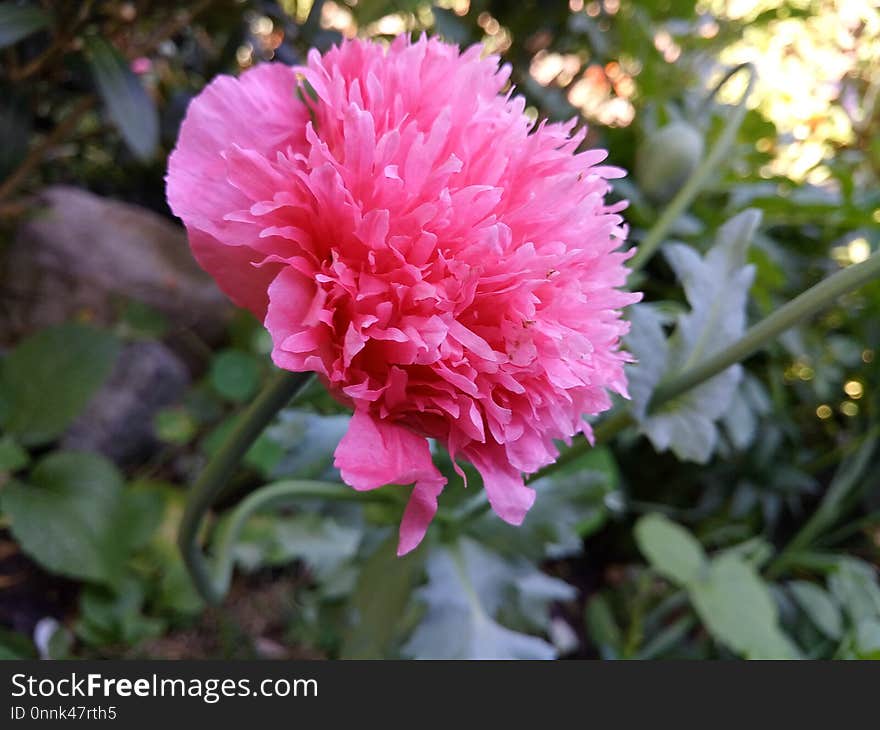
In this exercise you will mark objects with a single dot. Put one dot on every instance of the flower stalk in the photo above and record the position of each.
(805, 305)
(212, 582)
(210, 485)
(697, 181)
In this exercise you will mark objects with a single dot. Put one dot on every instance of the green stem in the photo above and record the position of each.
(834, 505)
(264, 498)
(209, 486)
(695, 183)
(812, 301)
(801, 307)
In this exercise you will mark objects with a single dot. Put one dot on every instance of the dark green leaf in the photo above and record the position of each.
(125, 99)
(50, 377)
(12, 456)
(70, 515)
(383, 590)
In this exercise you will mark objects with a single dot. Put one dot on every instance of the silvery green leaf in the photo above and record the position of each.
(646, 342)
(308, 441)
(737, 608)
(467, 588)
(746, 407)
(856, 587)
(567, 504)
(716, 287)
(819, 606)
(535, 591)
(321, 542)
(686, 425)
(671, 549)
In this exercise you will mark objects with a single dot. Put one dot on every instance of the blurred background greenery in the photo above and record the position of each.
(122, 366)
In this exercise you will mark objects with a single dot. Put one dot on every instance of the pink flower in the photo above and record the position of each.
(404, 230)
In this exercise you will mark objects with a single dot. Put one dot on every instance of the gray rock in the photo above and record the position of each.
(83, 255)
(118, 422)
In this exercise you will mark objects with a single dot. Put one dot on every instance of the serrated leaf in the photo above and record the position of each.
(716, 287)
(50, 377)
(672, 551)
(819, 606)
(321, 542)
(70, 516)
(738, 610)
(567, 502)
(20, 21)
(467, 587)
(741, 418)
(307, 441)
(124, 97)
(647, 342)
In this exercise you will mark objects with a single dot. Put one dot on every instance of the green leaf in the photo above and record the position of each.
(855, 586)
(143, 321)
(19, 21)
(321, 542)
(115, 616)
(384, 587)
(50, 377)
(235, 375)
(739, 611)
(307, 441)
(867, 639)
(70, 515)
(672, 551)
(569, 504)
(12, 456)
(15, 646)
(143, 508)
(819, 606)
(468, 586)
(716, 286)
(263, 455)
(125, 99)
(602, 627)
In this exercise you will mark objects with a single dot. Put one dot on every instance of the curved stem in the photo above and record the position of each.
(276, 394)
(651, 242)
(272, 495)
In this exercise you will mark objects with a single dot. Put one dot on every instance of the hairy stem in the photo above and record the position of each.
(682, 200)
(768, 329)
(277, 393)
